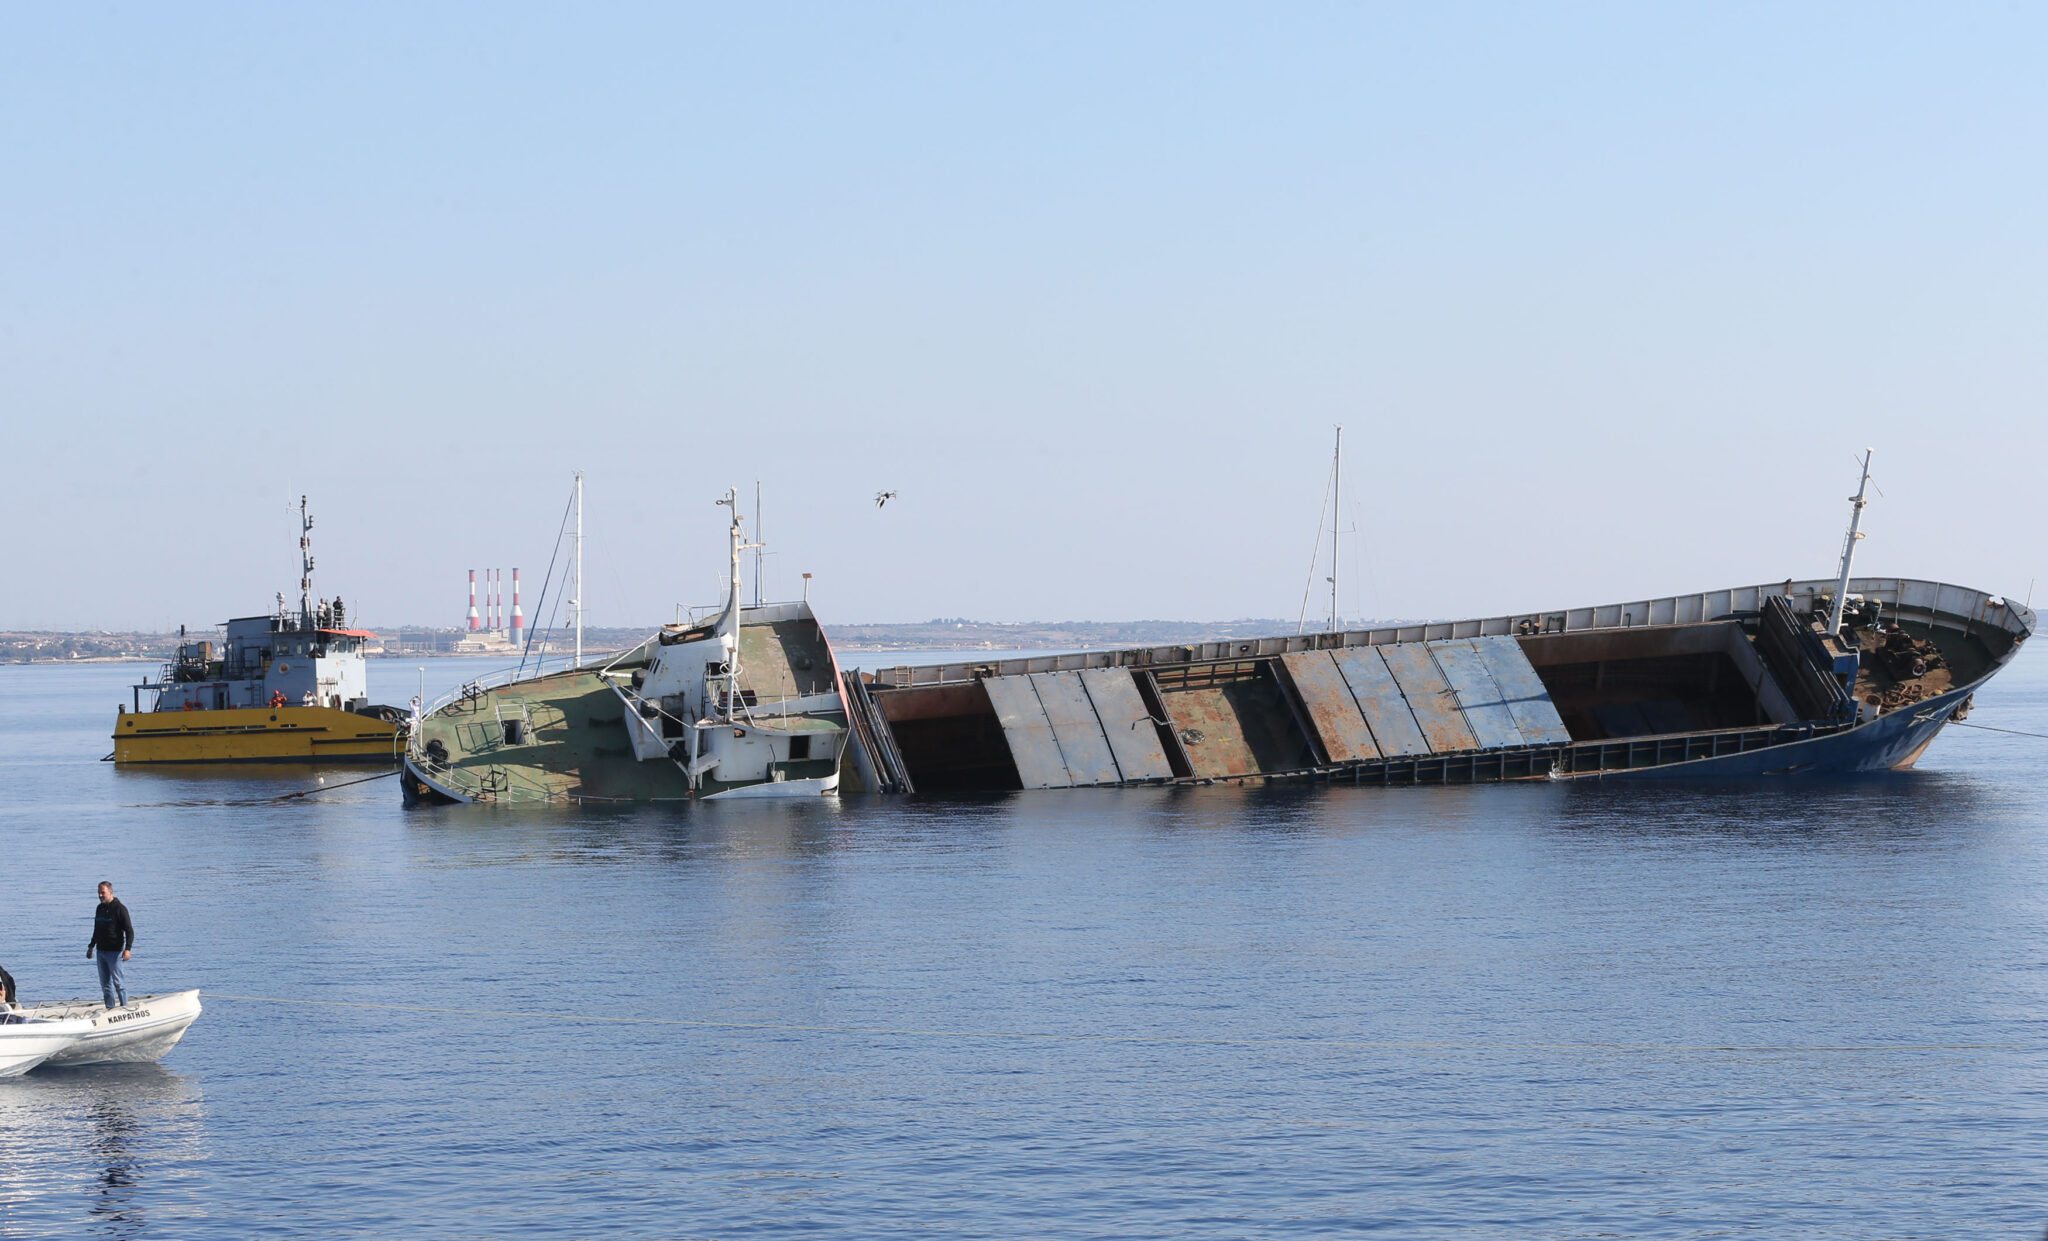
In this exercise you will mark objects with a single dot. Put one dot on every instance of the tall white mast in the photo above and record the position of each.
(576, 600)
(1336, 507)
(729, 619)
(758, 544)
(1849, 546)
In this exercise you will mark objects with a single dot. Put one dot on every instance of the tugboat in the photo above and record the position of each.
(287, 687)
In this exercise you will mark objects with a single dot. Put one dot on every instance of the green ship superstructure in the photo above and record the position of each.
(745, 703)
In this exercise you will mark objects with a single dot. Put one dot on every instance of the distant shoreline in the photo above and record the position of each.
(947, 634)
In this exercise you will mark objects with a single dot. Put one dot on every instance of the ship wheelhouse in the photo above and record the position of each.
(266, 661)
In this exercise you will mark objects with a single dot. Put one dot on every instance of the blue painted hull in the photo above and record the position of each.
(1888, 742)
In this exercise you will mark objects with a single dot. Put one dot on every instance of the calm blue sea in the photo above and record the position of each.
(1796, 1009)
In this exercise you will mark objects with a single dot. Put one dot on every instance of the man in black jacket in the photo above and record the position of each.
(113, 934)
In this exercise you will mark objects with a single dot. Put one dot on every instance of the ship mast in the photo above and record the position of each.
(1849, 546)
(576, 600)
(1336, 507)
(729, 620)
(305, 566)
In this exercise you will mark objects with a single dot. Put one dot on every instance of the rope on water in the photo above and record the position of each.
(326, 788)
(268, 801)
(1989, 729)
(893, 1032)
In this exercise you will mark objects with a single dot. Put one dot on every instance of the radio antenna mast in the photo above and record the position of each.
(305, 566)
(1849, 546)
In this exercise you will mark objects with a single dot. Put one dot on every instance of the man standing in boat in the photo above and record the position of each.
(113, 935)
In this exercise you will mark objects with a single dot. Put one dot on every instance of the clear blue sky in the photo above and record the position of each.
(1606, 297)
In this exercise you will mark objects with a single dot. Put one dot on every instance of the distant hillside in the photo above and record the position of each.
(35, 647)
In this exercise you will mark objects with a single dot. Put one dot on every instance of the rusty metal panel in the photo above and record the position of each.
(1211, 729)
(1535, 715)
(1032, 745)
(1332, 711)
(1075, 727)
(1133, 738)
(1479, 697)
(1429, 696)
(1380, 701)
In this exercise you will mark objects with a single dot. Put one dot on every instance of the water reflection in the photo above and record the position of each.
(85, 1143)
(1849, 812)
(246, 784)
(114, 1131)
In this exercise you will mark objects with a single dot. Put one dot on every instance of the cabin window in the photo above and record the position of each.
(799, 749)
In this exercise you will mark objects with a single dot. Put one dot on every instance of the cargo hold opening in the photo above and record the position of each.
(949, 738)
(1232, 719)
(1657, 679)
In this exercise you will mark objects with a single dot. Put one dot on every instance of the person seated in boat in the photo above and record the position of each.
(8, 1014)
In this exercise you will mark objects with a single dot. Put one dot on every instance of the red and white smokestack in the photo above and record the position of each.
(473, 619)
(497, 600)
(518, 615)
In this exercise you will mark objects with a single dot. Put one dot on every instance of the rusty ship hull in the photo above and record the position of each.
(1744, 682)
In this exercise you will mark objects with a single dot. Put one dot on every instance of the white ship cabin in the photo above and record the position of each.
(305, 660)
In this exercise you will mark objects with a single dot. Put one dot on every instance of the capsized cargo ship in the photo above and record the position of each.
(745, 703)
(286, 687)
(1785, 678)
(1751, 681)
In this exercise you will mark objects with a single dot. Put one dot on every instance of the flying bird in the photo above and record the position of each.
(883, 497)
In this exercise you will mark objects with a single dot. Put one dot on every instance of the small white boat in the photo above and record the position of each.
(27, 1041)
(138, 1032)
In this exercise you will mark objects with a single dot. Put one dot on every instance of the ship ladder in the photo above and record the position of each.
(519, 716)
(871, 732)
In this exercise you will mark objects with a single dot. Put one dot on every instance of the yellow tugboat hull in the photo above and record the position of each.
(255, 735)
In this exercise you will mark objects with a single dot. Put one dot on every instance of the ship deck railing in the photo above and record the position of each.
(477, 687)
(489, 782)
(1961, 606)
(1551, 759)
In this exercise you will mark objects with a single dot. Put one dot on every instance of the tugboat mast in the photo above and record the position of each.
(305, 566)
(1849, 546)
